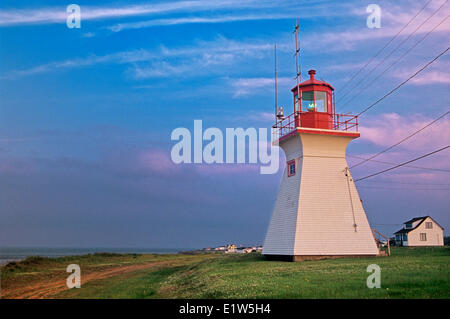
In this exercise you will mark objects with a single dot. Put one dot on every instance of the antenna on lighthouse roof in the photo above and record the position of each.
(276, 104)
(298, 76)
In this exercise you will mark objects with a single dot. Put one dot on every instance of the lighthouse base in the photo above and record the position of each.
(311, 257)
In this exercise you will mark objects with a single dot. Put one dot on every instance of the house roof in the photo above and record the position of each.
(412, 220)
(404, 231)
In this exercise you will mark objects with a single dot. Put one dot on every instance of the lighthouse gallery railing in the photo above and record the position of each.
(340, 122)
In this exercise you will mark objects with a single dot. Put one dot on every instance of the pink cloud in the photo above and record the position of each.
(389, 128)
(16, 166)
(225, 169)
(159, 162)
(437, 74)
(432, 77)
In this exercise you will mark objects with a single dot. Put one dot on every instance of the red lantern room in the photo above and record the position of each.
(314, 109)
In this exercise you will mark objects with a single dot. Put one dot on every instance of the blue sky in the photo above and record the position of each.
(86, 114)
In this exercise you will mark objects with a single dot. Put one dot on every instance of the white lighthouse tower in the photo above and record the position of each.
(318, 212)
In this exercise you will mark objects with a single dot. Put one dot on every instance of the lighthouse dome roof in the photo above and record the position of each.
(312, 81)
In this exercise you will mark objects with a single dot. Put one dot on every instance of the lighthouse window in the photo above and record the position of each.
(314, 101)
(308, 101)
(321, 101)
(291, 168)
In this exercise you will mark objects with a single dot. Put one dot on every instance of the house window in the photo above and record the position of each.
(408, 225)
(291, 168)
(423, 237)
(405, 237)
(428, 225)
(398, 237)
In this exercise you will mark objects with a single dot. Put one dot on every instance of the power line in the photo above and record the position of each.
(398, 143)
(397, 47)
(406, 188)
(384, 47)
(403, 183)
(395, 62)
(403, 83)
(409, 166)
(402, 164)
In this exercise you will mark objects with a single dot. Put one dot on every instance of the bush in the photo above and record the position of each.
(446, 240)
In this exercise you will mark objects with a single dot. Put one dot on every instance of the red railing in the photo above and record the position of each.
(339, 122)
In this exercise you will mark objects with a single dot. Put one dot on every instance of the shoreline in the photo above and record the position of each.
(17, 254)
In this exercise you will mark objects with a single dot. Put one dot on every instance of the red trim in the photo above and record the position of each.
(289, 168)
(335, 133)
(353, 134)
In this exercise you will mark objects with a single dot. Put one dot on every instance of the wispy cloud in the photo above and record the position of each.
(394, 18)
(88, 35)
(247, 86)
(432, 77)
(58, 14)
(163, 61)
(437, 74)
(190, 20)
(242, 10)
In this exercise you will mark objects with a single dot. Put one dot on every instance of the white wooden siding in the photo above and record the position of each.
(313, 213)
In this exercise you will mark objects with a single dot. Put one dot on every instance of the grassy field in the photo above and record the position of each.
(408, 273)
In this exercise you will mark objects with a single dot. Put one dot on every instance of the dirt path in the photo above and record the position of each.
(48, 288)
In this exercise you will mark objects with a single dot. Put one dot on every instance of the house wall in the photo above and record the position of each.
(435, 235)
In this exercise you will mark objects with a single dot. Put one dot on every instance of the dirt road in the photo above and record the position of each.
(47, 288)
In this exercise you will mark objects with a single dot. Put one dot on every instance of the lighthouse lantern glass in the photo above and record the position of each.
(308, 101)
(313, 101)
(321, 101)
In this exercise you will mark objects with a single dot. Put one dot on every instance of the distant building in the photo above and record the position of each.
(233, 248)
(420, 231)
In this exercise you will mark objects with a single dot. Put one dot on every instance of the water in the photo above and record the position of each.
(8, 254)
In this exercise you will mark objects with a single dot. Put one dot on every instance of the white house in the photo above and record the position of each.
(420, 231)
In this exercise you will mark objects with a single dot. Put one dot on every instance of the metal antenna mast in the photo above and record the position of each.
(276, 104)
(298, 76)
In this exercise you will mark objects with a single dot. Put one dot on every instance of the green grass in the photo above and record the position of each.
(140, 285)
(408, 273)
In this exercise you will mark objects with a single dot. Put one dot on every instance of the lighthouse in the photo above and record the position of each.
(318, 212)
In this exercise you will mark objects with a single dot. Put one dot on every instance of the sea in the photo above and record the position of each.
(8, 254)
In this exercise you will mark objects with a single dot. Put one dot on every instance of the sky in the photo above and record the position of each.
(86, 114)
